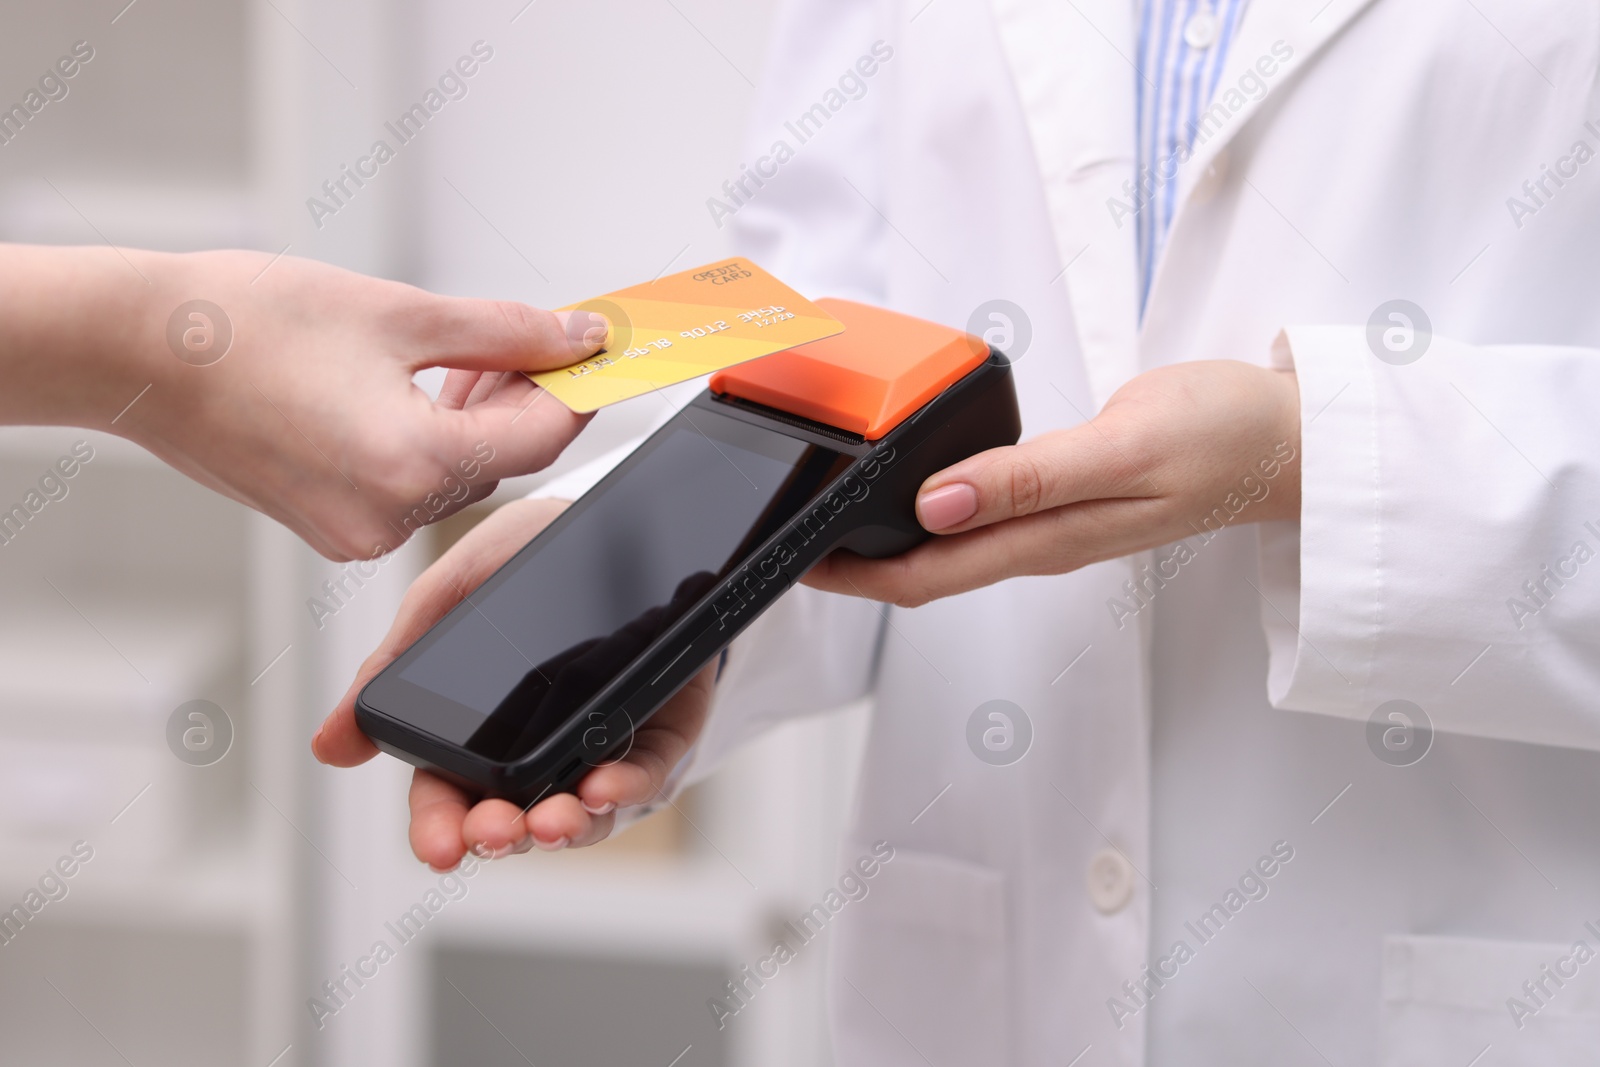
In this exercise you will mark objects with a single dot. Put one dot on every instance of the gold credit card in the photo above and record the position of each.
(685, 325)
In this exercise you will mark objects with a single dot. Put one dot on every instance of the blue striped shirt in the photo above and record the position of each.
(1182, 46)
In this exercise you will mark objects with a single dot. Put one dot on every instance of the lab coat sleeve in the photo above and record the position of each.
(1448, 549)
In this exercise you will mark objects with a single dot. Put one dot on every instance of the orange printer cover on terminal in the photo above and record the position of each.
(866, 380)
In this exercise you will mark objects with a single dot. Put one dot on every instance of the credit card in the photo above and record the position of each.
(685, 325)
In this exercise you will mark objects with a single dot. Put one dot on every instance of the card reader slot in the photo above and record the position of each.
(821, 429)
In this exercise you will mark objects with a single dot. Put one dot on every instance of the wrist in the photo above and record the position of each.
(1284, 503)
(80, 337)
(131, 349)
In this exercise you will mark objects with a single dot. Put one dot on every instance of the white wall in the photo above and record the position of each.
(590, 142)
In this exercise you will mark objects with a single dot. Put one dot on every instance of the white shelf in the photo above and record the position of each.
(215, 888)
(132, 216)
(116, 664)
(84, 704)
(697, 909)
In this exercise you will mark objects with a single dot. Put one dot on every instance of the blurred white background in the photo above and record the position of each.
(220, 898)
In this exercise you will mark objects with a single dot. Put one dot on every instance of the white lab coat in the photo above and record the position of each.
(1221, 720)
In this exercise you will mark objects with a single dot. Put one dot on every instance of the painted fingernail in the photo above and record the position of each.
(551, 846)
(605, 809)
(587, 329)
(947, 506)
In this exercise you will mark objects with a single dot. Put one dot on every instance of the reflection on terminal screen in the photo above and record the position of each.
(573, 609)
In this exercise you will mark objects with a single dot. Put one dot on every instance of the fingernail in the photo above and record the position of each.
(605, 809)
(525, 845)
(947, 506)
(499, 853)
(316, 739)
(587, 329)
(551, 846)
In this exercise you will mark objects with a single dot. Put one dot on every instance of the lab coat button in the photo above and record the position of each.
(1209, 182)
(1110, 881)
(1200, 32)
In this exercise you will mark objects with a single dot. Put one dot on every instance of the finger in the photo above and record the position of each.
(557, 822)
(1033, 544)
(527, 428)
(487, 385)
(600, 827)
(438, 811)
(499, 828)
(340, 741)
(658, 746)
(493, 828)
(471, 334)
(511, 390)
(1047, 472)
(458, 385)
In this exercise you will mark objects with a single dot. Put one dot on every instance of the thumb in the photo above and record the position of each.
(489, 335)
(340, 740)
(1050, 471)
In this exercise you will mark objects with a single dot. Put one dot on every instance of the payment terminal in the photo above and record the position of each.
(547, 668)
